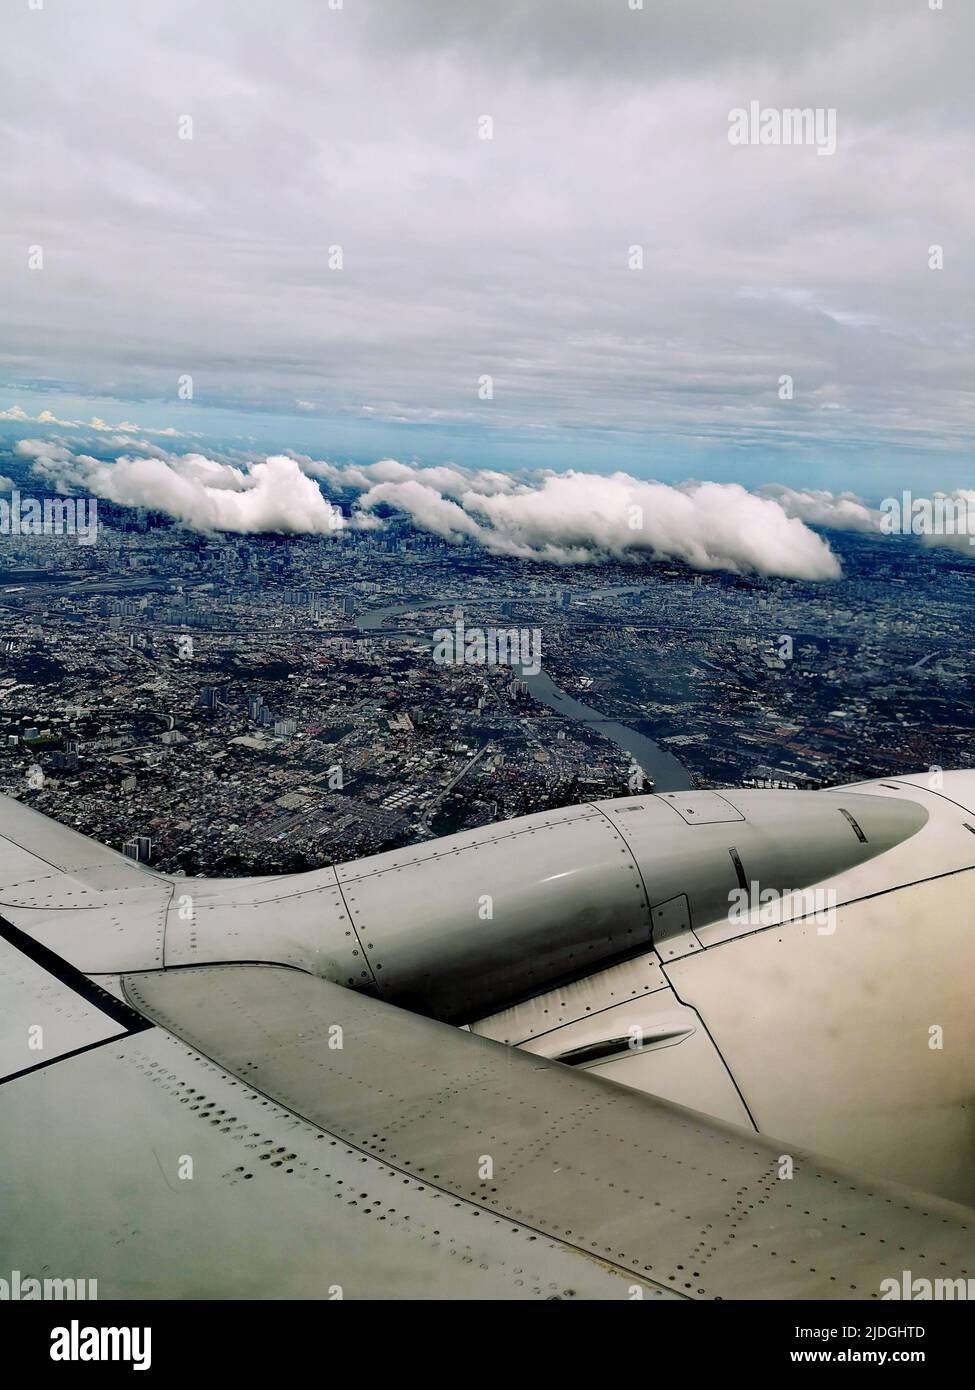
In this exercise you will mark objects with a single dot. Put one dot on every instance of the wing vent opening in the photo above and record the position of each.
(606, 1048)
(856, 827)
(739, 869)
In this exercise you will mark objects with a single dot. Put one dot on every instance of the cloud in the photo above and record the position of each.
(952, 525)
(579, 516)
(426, 507)
(959, 531)
(203, 494)
(52, 462)
(565, 518)
(272, 496)
(95, 424)
(842, 511)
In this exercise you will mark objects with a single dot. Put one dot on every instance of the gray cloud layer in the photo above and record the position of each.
(314, 127)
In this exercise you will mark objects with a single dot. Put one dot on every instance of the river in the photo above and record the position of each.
(668, 773)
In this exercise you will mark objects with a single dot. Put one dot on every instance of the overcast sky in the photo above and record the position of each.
(508, 257)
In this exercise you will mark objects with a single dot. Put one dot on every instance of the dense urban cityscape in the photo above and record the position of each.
(244, 705)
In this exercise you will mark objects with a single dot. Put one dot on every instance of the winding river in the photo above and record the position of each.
(668, 773)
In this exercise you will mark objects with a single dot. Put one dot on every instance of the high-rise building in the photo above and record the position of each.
(139, 848)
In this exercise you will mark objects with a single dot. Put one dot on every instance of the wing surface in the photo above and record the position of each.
(653, 1191)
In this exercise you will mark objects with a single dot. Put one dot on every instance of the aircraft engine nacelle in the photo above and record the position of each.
(461, 926)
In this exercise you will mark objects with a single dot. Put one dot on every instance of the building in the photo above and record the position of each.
(139, 849)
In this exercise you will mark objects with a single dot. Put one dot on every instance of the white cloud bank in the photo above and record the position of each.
(565, 518)
(209, 496)
(573, 518)
(959, 531)
(204, 494)
(18, 415)
(560, 518)
(842, 511)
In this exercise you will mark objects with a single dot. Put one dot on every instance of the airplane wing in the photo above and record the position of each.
(252, 1131)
